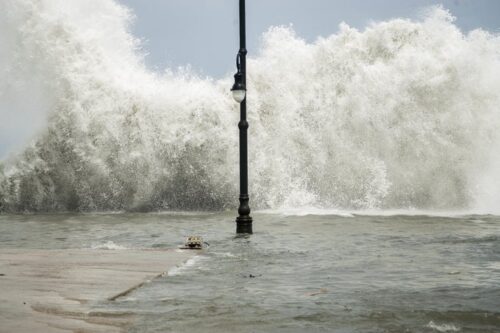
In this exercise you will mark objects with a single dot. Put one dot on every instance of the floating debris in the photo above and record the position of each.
(193, 243)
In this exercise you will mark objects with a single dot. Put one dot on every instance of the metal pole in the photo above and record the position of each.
(244, 220)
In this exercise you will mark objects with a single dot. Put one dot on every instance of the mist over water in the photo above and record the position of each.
(402, 115)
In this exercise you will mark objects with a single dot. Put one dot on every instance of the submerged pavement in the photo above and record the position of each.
(55, 290)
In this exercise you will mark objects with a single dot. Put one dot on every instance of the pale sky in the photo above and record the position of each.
(204, 33)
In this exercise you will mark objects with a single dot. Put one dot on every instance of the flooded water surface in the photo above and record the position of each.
(311, 273)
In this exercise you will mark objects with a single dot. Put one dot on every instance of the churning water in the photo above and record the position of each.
(402, 115)
(313, 273)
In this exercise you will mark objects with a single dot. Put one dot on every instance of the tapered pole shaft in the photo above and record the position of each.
(244, 220)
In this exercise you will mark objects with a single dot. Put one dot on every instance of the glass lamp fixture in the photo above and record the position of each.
(238, 88)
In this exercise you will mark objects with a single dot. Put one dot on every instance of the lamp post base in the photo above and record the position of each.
(244, 225)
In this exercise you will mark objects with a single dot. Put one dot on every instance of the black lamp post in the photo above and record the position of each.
(244, 220)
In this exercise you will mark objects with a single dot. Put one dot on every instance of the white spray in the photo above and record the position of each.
(402, 115)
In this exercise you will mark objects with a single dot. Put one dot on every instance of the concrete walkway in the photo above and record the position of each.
(53, 290)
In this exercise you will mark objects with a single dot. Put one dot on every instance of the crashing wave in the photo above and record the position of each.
(404, 114)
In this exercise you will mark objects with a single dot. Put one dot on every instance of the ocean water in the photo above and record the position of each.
(298, 273)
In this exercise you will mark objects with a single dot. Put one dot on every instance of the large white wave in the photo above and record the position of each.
(405, 114)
